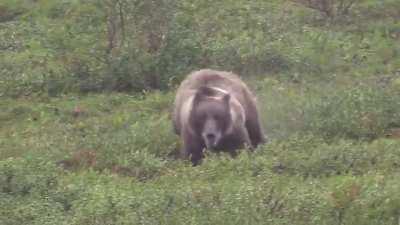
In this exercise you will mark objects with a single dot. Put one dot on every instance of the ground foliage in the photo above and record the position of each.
(86, 91)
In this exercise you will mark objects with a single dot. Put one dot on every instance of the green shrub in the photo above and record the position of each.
(298, 178)
(311, 157)
(328, 94)
(328, 109)
(360, 112)
(20, 177)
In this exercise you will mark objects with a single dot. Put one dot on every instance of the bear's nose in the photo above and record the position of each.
(210, 137)
(210, 140)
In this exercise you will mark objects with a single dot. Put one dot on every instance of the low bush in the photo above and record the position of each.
(359, 113)
(329, 110)
(301, 179)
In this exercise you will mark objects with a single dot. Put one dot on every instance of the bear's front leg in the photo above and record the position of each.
(243, 141)
(193, 148)
(245, 138)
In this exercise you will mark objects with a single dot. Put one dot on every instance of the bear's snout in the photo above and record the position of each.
(211, 140)
(210, 136)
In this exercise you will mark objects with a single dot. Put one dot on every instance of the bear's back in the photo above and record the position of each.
(212, 78)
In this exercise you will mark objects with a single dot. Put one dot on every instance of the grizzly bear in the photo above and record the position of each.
(215, 110)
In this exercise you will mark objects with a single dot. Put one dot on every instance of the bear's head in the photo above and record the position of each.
(210, 117)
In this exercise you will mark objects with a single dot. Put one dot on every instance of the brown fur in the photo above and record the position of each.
(208, 87)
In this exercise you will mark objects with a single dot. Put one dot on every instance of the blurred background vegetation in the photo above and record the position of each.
(53, 47)
(86, 88)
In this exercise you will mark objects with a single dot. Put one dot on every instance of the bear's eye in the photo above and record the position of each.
(202, 117)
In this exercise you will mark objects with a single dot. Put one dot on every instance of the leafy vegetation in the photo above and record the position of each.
(87, 87)
(86, 46)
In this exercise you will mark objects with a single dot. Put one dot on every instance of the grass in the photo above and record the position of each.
(110, 159)
(329, 94)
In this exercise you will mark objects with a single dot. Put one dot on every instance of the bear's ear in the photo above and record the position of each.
(205, 91)
(226, 98)
(202, 92)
